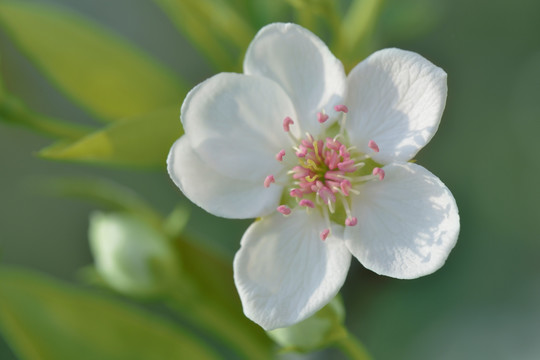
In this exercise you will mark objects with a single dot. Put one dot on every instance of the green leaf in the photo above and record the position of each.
(96, 68)
(356, 35)
(44, 319)
(108, 194)
(213, 26)
(13, 111)
(214, 304)
(140, 141)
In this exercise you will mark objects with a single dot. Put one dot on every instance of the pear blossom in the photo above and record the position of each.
(323, 161)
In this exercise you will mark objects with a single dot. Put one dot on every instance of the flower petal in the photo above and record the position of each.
(395, 98)
(235, 124)
(284, 272)
(215, 192)
(303, 65)
(407, 223)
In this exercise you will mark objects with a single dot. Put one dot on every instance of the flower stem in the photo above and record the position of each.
(353, 348)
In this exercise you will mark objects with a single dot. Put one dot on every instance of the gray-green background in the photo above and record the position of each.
(485, 302)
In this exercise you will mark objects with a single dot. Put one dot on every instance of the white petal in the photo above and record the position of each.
(284, 272)
(303, 65)
(396, 98)
(407, 223)
(235, 124)
(215, 192)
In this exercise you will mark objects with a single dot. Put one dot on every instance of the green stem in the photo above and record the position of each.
(353, 348)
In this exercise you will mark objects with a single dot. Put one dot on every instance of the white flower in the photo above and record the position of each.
(322, 158)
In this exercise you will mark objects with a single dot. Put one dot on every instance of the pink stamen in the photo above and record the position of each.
(332, 144)
(332, 160)
(324, 234)
(373, 146)
(300, 172)
(307, 203)
(352, 221)
(344, 153)
(284, 209)
(269, 179)
(380, 172)
(341, 108)
(324, 192)
(287, 122)
(345, 186)
(296, 193)
(280, 155)
(334, 175)
(302, 152)
(322, 117)
(347, 166)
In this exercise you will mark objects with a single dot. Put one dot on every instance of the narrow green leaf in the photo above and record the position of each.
(108, 194)
(141, 141)
(44, 319)
(355, 41)
(96, 68)
(213, 26)
(13, 111)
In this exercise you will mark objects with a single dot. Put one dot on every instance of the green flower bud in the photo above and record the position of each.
(131, 256)
(316, 332)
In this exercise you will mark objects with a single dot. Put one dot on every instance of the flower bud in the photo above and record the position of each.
(316, 332)
(132, 257)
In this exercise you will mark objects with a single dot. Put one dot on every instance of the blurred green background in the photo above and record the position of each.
(483, 304)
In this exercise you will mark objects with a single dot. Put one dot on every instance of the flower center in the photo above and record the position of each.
(328, 173)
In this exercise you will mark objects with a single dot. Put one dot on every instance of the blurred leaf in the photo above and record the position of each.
(96, 68)
(141, 141)
(402, 20)
(106, 193)
(318, 331)
(213, 26)
(215, 304)
(45, 319)
(13, 111)
(357, 26)
(176, 221)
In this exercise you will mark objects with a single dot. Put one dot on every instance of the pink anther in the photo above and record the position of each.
(296, 193)
(287, 122)
(280, 155)
(380, 172)
(347, 166)
(307, 203)
(341, 108)
(269, 179)
(373, 146)
(324, 234)
(334, 175)
(352, 221)
(326, 194)
(332, 144)
(344, 153)
(322, 117)
(331, 160)
(345, 186)
(302, 151)
(284, 209)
